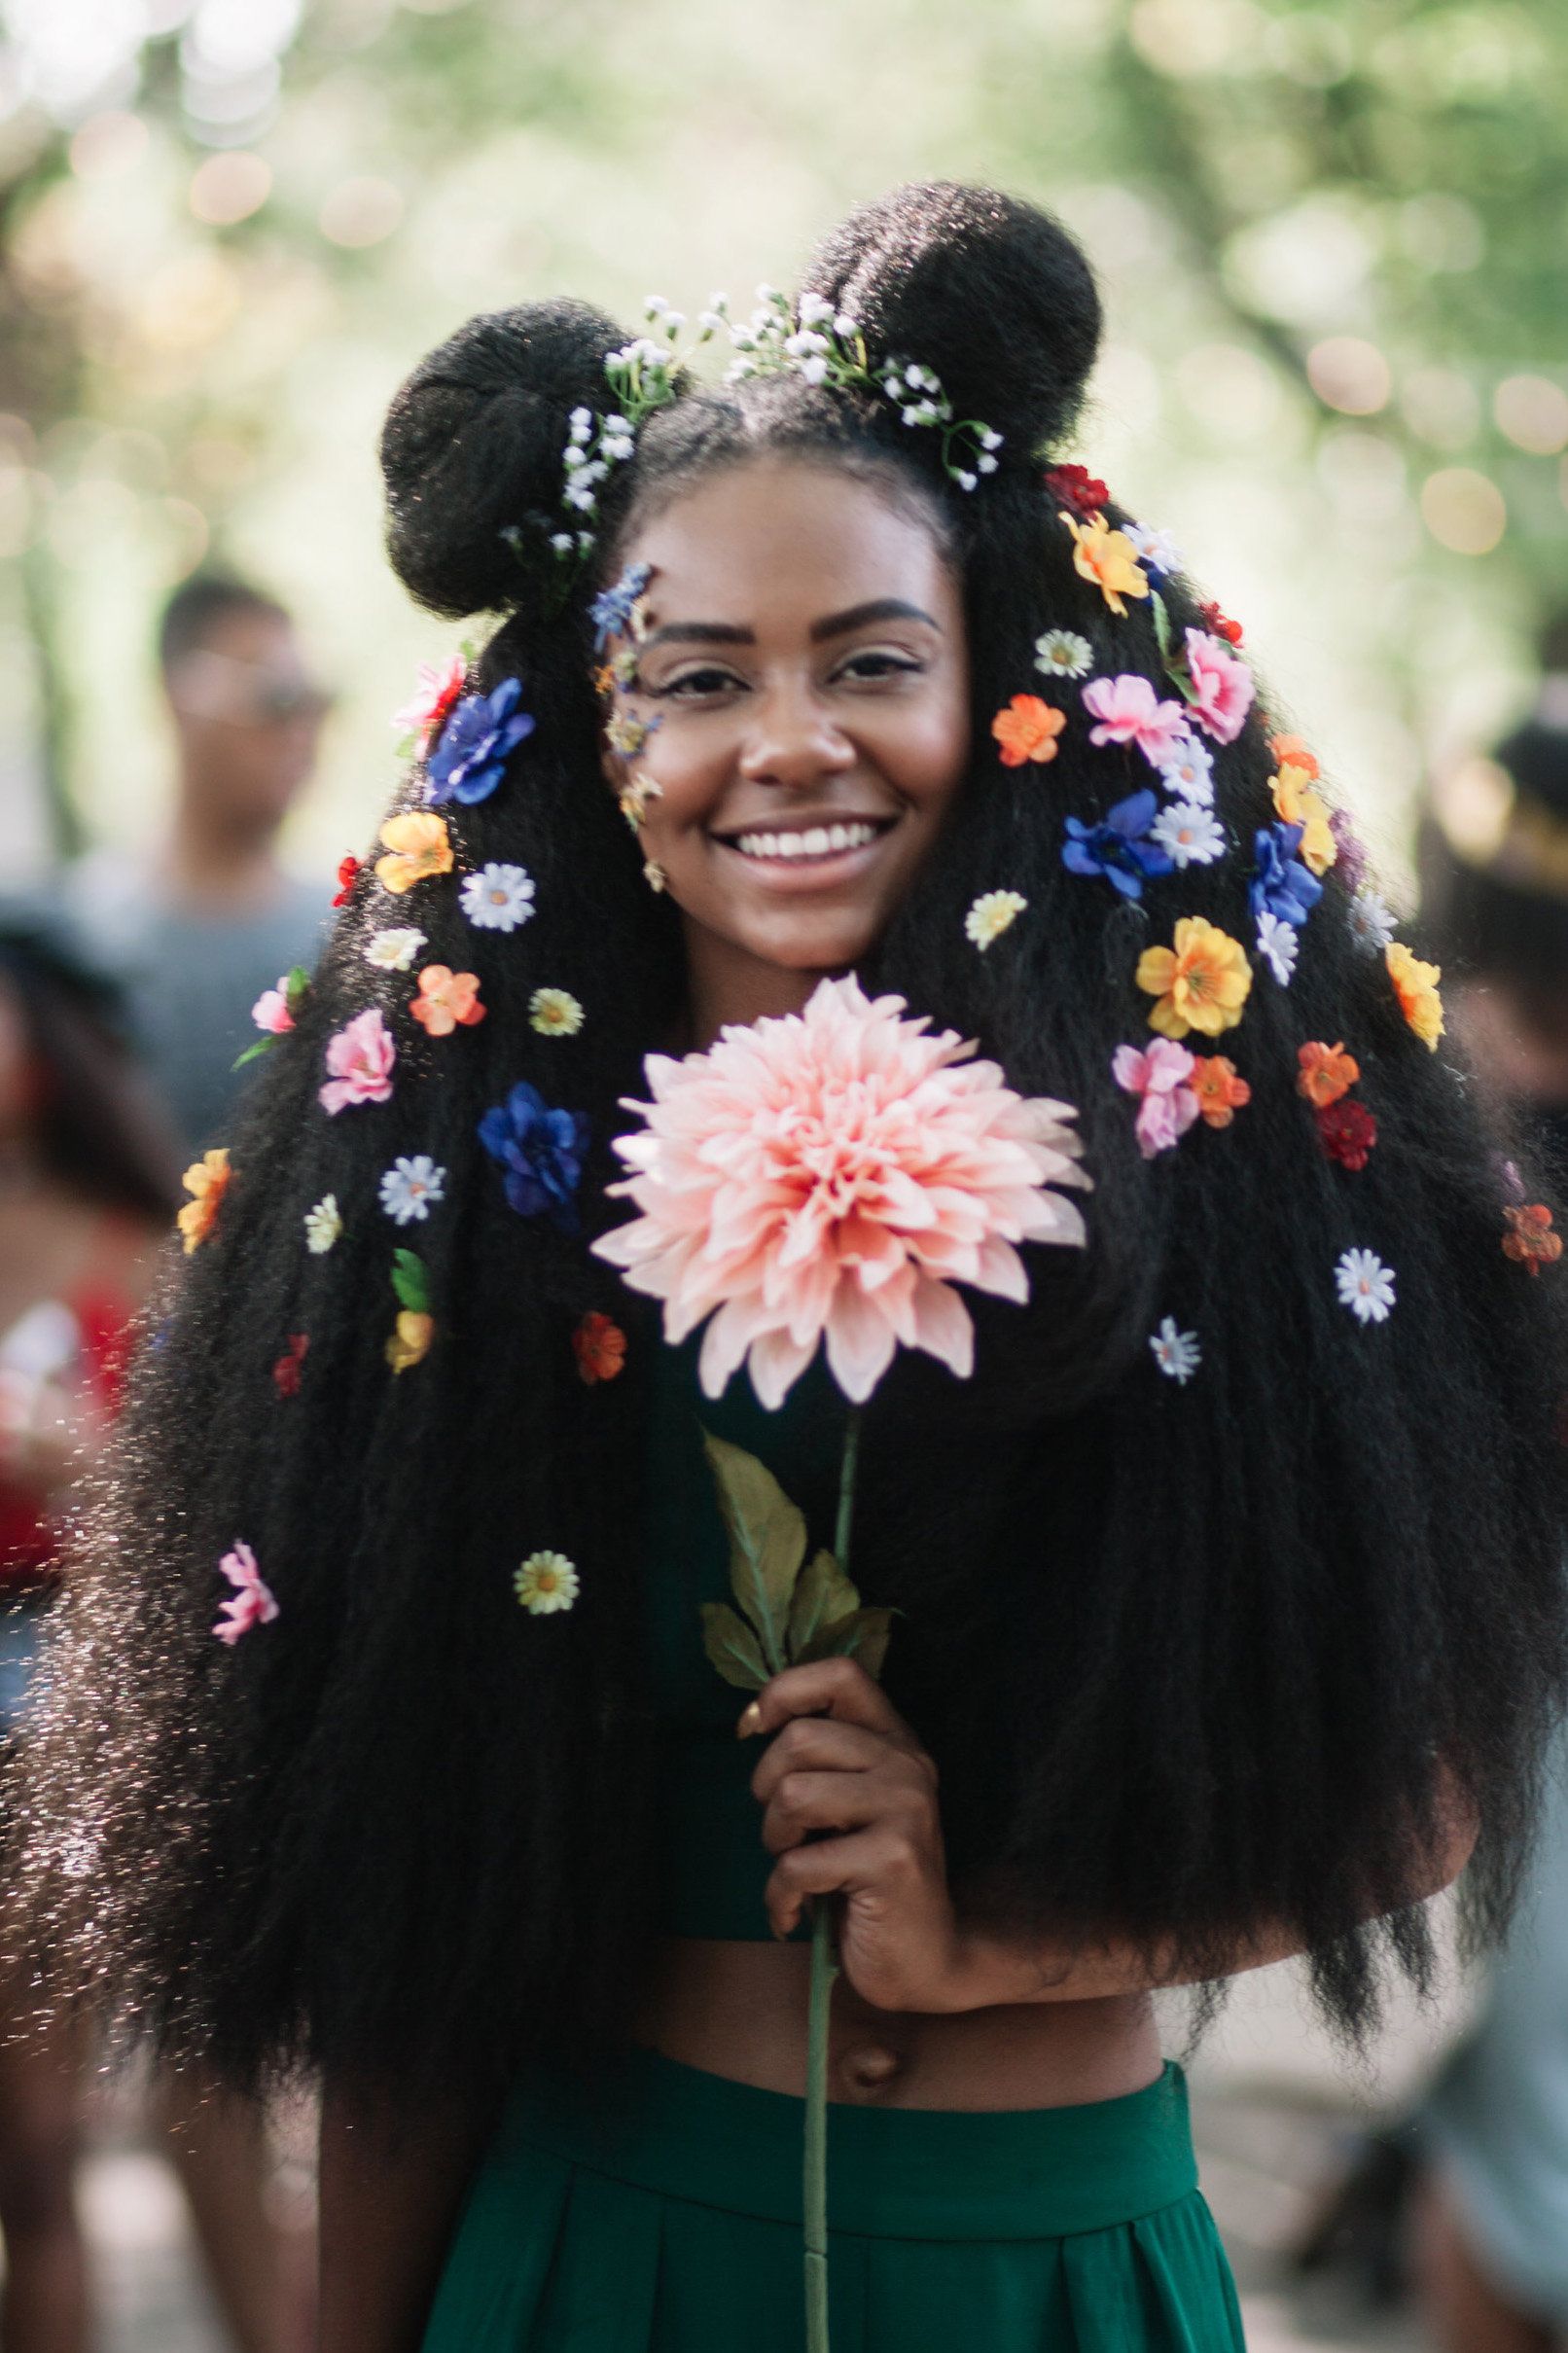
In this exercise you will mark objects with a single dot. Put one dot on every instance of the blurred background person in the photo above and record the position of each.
(197, 927)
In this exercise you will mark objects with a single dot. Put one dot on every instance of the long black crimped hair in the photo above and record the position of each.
(1198, 1660)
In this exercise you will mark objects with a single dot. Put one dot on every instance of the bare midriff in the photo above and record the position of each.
(739, 2011)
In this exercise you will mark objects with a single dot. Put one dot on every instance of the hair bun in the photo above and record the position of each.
(473, 443)
(991, 293)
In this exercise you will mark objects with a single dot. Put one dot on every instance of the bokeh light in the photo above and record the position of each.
(1349, 374)
(1464, 510)
(360, 212)
(230, 187)
(1533, 411)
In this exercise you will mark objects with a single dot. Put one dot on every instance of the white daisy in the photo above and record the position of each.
(1278, 944)
(545, 1583)
(1189, 772)
(1156, 547)
(1372, 922)
(1366, 1286)
(992, 915)
(498, 898)
(411, 1186)
(1063, 653)
(394, 952)
(323, 1225)
(555, 1013)
(1189, 834)
(1176, 1353)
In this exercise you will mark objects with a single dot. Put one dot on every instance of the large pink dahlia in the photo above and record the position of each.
(831, 1175)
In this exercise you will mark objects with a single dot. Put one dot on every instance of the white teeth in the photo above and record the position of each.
(817, 841)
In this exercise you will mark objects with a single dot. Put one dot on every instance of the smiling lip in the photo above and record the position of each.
(805, 847)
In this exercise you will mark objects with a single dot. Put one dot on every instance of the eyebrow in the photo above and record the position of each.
(834, 624)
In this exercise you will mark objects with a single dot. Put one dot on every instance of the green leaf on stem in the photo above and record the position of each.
(823, 1594)
(862, 1635)
(732, 1648)
(766, 1535)
(263, 1045)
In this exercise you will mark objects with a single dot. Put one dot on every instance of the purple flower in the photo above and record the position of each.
(1352, 850)
(611, 609)
(1116, 849)
(1281, 885)
(470, 759)
(542, 1153)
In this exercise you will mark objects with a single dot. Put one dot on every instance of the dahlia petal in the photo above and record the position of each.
(860, 1344)
(943, 1328)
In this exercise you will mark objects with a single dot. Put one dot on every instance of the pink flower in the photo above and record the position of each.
(360, 1058)
(830, 1175)
(1132, 715)
(1160, 1076)
(270, 1010)
(1221, 686)
(251, 1603)
(440, 688)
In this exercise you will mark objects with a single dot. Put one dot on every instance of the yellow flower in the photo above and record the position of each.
(409, 1344)
(1107, 557)
(209, 1179)
(1202, 984)
(419, 846)
(1415, 985)
(992, 915)
(555, 1013)
(546, 1581)
(1298, 805)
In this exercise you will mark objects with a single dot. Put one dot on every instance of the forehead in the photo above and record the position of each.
(788, 540)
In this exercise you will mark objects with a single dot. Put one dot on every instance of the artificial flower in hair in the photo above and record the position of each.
(446, 999)
(1062, 653)
(436, 696)
(252, 1602)
(1155, 549)
(1281, 885)
(540, 1150)
(1220, 627)
(1177, 1353)
(1117, 847)
(1220, 1090)
(1349, 848)
(626, 735)
(1108, 558)
(1189, 834)
(1167, 1107)
(555, 1013)
(1075, 486)
(1202, 982)
(416, 1326)
(498, 898)
(287, 1371)
(1372, 922)
(992, 913)
(1529, 1240)
(348, 874)
(1347, 1131)
(1298, 805)
(1291, 750)
(323, 1225)
(1130, 712)
(411, 1187)
(418, 845)
(208, 1179)
(634, 796)
(1027, 730)
(1366, 1286)
(1279, 943)
(1221, 686)
(1415, 985)
(599, 1346)
(611, 611)
(359, 1063)
(393, 952)
(546, 1581)
(478, 738)
(272, 1011)
(1327, 1072)
(1189, 772)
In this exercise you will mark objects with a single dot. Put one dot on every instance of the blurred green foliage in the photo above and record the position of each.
(1330, 237)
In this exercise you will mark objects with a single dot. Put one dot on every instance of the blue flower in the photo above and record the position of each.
(542, 1152)
(611, 609)
(469, 759)
(1117, 849)
(1281, 885)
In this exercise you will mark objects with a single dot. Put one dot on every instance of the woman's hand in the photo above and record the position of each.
(850, 1801)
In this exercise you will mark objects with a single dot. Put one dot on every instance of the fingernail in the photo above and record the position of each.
(751, 1721)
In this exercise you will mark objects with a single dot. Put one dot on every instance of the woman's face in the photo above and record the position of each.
(805, 662)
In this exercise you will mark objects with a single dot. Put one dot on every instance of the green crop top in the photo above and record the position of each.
(715, 1866)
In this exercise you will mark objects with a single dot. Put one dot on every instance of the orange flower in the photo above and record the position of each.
(1298, 805)
(1530, 1239)
(1027, 730)
(209, 1179)
(1415, 985)
(446, 998)
(409, 1344)
(1202, 984)
(600, 1347)
(1220, 1092)
(419, 846)
(1108, 558)
(1328, 1072)
(1292, 748)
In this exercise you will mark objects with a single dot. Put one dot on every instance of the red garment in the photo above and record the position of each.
(27, 1537)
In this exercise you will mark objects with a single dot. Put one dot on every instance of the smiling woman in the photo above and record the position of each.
(1201, 1652)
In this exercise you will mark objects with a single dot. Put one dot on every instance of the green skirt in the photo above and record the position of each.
(659, 2211)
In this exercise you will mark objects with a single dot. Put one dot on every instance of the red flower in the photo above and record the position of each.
(1230, 629)
(600, 1347)
(1076, 487)
(1347, 1131)
(1530, 1239)
(347, 872)
(286, 1371)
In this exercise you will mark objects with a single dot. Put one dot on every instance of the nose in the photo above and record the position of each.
(792, 740)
